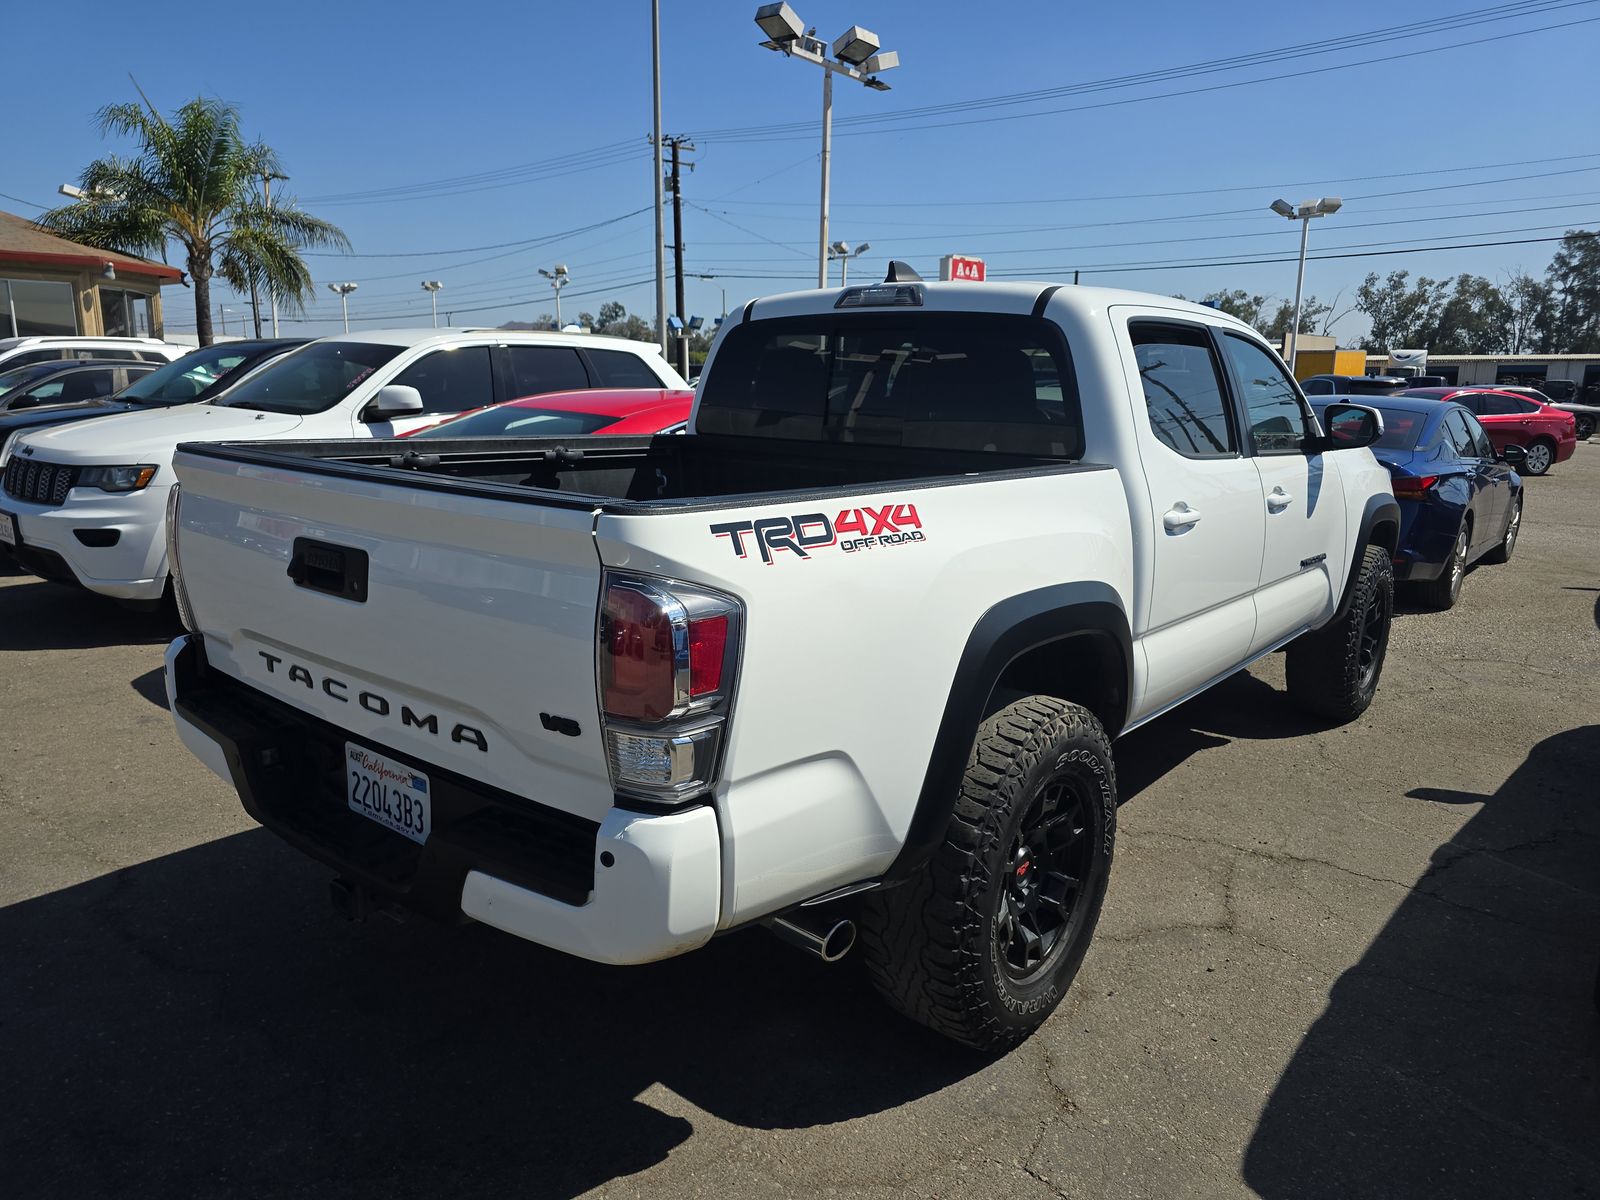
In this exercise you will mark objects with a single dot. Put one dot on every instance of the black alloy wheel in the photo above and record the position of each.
(1050, 858)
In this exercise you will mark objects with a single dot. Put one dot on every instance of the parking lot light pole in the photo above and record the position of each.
(855, 56)
(1303, 213)
(842, 252)
(432, 286)
(343, 291)
(558, 280)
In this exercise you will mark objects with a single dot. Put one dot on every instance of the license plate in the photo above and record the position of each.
(388, 792)
(8, 529)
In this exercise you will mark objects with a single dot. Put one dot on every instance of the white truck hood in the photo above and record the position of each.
(151, 437)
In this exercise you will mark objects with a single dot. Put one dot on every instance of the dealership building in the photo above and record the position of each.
(52, 286)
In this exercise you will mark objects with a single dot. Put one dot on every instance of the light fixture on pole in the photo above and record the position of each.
(858, 58)
(558, 280)
(1303, 213)
(432, 286)
(343, 291)
(721, 289)
(842, 252)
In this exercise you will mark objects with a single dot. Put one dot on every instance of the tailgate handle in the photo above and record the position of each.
(324, 567)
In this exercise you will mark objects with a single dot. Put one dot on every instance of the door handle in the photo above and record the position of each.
(1278, 500)
(1179, 517)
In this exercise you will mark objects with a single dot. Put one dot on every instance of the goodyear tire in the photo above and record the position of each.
(982, 944)
(1333, 671)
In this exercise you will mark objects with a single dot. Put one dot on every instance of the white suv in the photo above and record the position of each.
(86, 502)
(24, 351)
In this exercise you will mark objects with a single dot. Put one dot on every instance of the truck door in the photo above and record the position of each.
(1306, 549)
(1204, 552)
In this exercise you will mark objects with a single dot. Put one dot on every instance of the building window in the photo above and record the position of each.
(125, 314)
(35, 308)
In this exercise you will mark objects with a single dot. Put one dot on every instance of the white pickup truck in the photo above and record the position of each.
(849, 655)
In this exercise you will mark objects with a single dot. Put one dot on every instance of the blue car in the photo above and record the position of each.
(1459, 500)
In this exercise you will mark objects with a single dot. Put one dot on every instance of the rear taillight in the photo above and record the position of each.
(1413, 487)
(179, 593)
(667, 655)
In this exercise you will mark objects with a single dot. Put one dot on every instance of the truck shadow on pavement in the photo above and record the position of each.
(1458, 1056)
(37, 615)
(203, 1023)
(1241, 706)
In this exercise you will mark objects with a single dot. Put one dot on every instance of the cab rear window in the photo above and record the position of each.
(956, 381)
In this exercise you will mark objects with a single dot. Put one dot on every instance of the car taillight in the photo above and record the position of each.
(666, 658)
(1413, 487)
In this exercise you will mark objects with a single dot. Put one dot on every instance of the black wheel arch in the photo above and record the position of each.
(1025, 642)
(1380, 526)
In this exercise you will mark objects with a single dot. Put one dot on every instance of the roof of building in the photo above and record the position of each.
(21, 241)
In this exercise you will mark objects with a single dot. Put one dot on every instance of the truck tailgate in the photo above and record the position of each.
(474, 624)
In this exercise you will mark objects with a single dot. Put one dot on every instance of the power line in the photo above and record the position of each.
(554, 167)
(1464, 19)
(533, 241)
(776, 134)
(1250, 187)
(20, 200)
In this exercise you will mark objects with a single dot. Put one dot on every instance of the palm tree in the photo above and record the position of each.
(195, 181)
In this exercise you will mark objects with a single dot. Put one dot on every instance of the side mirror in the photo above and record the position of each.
(393, 400)
(1349, 426)
(1516, 456)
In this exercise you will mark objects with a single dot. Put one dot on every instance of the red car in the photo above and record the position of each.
(558, 414)
(1547, 434)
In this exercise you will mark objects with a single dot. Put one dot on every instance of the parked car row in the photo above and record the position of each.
(84, 481)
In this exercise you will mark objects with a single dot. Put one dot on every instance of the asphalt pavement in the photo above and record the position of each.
(1355, 961)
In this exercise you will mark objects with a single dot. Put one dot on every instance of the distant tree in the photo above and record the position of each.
(587, 321)
(1574, 280)
(1403, 314)
(611, 314)
(194, 180)
(1238, 303)
(1474, 319)
(1530, 312)
(1314, 315)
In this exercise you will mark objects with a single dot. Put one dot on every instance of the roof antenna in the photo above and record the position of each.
(900, 272)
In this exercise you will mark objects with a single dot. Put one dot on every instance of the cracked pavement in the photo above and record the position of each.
(1356, 961)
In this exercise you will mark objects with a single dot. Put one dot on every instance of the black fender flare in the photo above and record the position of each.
(1008, 630)
(1378, 510)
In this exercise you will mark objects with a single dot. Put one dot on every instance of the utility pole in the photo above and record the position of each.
(655, 141)
(674, 182)
(272, 300)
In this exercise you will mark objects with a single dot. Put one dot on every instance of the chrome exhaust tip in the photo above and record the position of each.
(828, 940)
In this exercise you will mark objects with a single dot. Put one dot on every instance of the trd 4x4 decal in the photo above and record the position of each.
(852, 530)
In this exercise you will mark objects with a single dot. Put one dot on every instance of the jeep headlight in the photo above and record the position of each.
(117, 479)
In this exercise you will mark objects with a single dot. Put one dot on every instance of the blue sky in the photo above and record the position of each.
(362, 98)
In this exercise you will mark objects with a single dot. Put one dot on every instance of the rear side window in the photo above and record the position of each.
(954, 381)
(1183, 392)
(1480, 439)
(451, 380)
(1458, 435)
(619, 369)
(1276, 413)
(35, 356)
(535, 370)
(1319, 387)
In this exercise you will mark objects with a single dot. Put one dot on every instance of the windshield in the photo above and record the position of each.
(186, 378)
(519, 420)
(312, 379)
(19, 376)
